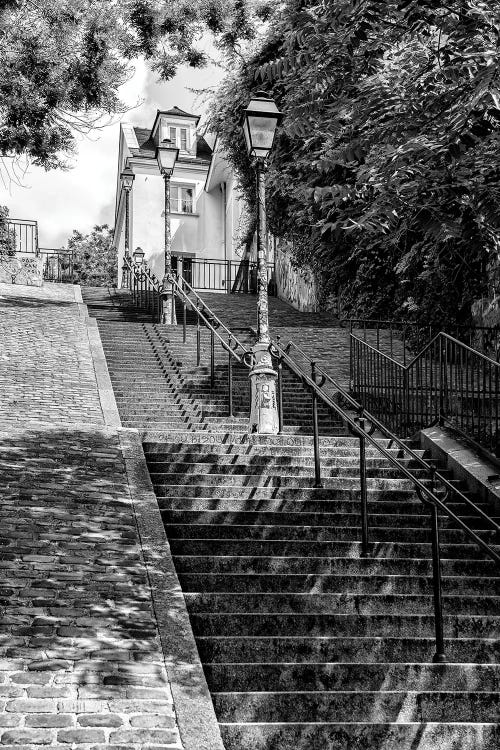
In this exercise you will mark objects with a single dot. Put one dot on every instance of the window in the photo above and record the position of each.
(182, 199)
(179, 137)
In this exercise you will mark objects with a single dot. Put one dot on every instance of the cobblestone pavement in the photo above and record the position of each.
(46, 367)
(81, 663)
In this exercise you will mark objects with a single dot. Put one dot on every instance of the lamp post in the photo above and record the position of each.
(261, 119)
(127, 178)
(166, 156)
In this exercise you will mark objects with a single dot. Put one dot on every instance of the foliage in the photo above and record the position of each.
(7, 237)
(385, 173)
(62, 61)
(95, 258)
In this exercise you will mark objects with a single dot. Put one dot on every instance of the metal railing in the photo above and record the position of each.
(57, 265)
(432, 487)
(402, 340)
(448, 382)
(24, 235)
(211, 274)
(148, 293)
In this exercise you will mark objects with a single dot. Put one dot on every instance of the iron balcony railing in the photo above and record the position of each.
(24, 234)
(432, 487)
(448, 382)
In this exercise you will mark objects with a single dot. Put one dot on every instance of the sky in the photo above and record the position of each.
(84, 196)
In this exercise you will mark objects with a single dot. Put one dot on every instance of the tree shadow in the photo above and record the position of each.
(77, 614)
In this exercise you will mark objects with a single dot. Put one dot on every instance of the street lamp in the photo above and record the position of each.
(138, 256)
(127, 178)
(166, 156)
(261, 118)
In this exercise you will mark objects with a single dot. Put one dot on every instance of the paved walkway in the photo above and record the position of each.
(91, 642)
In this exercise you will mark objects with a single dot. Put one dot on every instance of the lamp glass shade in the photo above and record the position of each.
(138, 256)
(127, 177)
(166, 156)
(261, 118)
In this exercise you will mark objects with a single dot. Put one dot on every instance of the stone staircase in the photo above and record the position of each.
(305, 642)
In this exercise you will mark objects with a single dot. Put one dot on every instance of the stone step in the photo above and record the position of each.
(335, 603)
(248, 481)
(382, 565)
(203, 496)
(382, 530)
(348, 648)
(314, 548)
(382, 706)
(158, 463)
(376, 469)
(362, 583)
(265, 624)
(360, 736)
(241, 677)
(265, 441)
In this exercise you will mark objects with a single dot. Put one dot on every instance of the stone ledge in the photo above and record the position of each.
(480, 476)
(197, 723)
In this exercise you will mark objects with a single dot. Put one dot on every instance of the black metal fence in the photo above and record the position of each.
(231, 276)
(57, 265)
(24, 234)
(402, 340)
(447, 382)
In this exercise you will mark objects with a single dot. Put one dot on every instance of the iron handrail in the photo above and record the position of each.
(200, 308)
(200, 302)
(441, 334)
(277, 350)
(247, 355)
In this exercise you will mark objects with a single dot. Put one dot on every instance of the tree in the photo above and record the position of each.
(95, 258)
(385, 174)
(63, 61)
(7, 236)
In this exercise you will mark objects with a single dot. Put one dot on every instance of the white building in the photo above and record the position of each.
(206, 217)
(205, 204)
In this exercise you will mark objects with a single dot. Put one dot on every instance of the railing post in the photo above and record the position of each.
(317, 460)
(280, 390)
(230, 377)
(198, 336)
(441, 383)
(184, 313)
(212, 358)
(439, 657)
(173, 320)
(406, 403)
(365, 544)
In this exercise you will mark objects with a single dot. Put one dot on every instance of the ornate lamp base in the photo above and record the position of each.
(168, 316)
(264, 408)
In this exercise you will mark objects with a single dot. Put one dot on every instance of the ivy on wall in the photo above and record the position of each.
(385, 174)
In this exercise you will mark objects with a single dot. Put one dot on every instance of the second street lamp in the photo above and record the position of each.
(261, 118)
(166, 156)
(127, 178)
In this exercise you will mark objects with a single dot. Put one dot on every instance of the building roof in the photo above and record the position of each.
(176, 112)
(147, 147)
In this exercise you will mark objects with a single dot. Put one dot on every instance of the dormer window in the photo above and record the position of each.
(180, 136)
